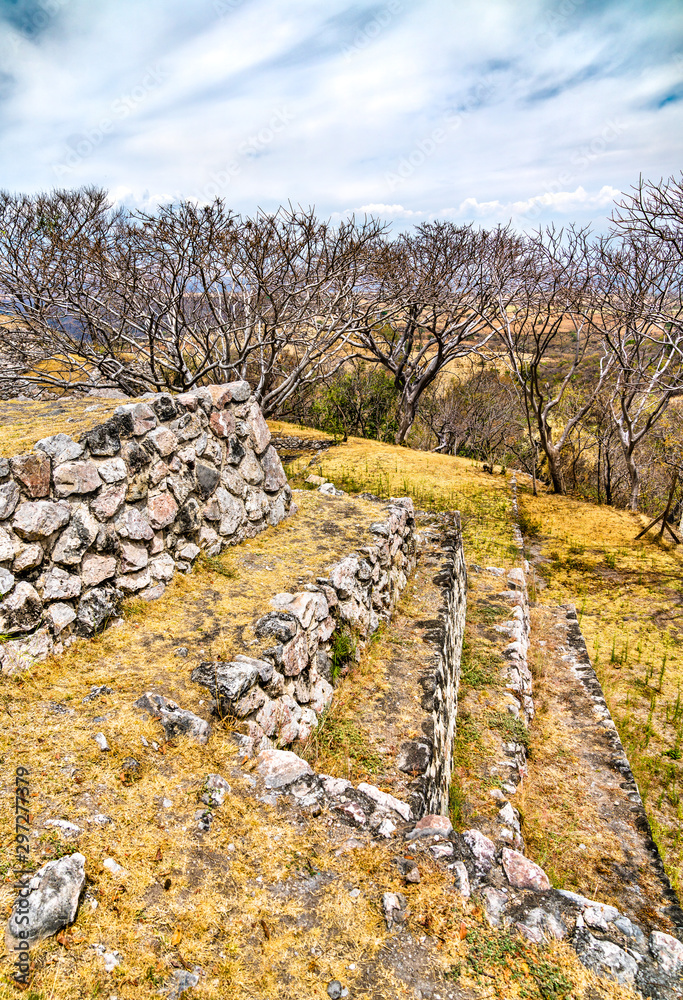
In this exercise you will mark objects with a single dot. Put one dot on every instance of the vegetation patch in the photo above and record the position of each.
(512, 968)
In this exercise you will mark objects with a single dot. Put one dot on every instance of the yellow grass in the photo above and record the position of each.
(22, 424)
(435, 482)
(628, 595)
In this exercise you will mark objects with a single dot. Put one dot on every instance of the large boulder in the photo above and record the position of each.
(41, 518)
(47, 904)
(77, 538)
(275, 477)
(76, 477)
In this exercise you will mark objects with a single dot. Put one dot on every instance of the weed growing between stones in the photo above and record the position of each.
(512, 729)
(340, 746)
(220, 564)
(342, 650)
(478, 669)
(511, 967)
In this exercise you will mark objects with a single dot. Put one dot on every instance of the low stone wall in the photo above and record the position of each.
(446, 677)
(282, 693)
(84, 523)
(290, 443)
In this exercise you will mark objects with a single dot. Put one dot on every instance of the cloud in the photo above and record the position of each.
(393, 105)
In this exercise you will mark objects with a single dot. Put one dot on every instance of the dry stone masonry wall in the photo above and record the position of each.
(85, 523)
(435, 755)
(281, 694)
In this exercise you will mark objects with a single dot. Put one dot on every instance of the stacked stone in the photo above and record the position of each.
(288, 443)
(282, 693)
(83, 523)
(446, 677)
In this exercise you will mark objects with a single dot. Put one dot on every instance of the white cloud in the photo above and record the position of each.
(399, 106)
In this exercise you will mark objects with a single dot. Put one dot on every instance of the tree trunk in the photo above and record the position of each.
(634, 479)
(555, 468)
(554, 465)
(406, 421)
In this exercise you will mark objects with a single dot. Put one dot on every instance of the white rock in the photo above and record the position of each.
(281, 767)
(6, 547)
(113, 867)
(162, 567)
(386, 828)
(462, 879)
(60, 615)
(668, 951)
(53, 894)
(68, 829)
(335, 786)
(386, 800)
(113, 470)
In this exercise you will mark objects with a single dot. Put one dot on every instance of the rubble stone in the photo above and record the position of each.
(33, 472)
(40, 518)
(76, 477)
(22, 610)
(279, 768)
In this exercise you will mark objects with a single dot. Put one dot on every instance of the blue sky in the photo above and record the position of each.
(410, 109)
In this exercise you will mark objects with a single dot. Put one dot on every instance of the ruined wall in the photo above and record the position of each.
(84, 523)
(282, 693)
(446, 678)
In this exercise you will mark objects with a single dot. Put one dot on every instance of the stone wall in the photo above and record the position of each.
(281, 694)
(84, 523)
(446, 677)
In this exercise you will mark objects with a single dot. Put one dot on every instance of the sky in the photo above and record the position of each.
(534, 111)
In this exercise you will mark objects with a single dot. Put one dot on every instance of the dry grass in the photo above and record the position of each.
(261, 902)
(630, 601)
(281, 428)
(22, 423)
(435, 482)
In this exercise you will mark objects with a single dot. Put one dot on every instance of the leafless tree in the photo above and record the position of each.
(433, 303)
(474, 413)
(181, 296)
(297, 287)
(654, 212)
(631, 308)
(548, 342)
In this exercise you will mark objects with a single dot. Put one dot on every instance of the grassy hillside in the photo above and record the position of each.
(235, 901)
